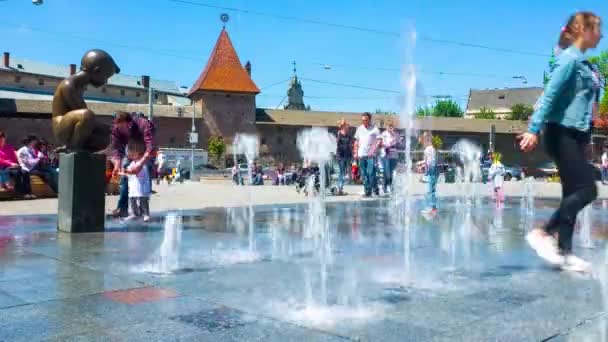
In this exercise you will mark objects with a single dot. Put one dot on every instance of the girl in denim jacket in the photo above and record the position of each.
(565, 113)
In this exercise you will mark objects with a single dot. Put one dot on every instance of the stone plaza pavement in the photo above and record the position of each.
(209, 194)
(468, 275)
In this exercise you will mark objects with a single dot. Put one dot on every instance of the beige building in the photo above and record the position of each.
(500, 100)
(26, 79)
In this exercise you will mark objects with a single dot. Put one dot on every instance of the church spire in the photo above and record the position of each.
(295, 94)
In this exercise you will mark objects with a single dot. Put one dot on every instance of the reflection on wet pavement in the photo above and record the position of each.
(468, 265)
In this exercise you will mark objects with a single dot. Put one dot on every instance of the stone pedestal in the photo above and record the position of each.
(81, 198)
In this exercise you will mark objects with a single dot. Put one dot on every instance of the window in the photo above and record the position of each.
(280, 129)
(263, 141)
(17, 78)
(136, 94)
(501, 96)
(156, 96)
(40, 81)
(172, 140)
(103, 90)
(227, 95)
(122, 92)
(279, 140)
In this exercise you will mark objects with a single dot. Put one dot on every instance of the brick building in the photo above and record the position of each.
(225, 93)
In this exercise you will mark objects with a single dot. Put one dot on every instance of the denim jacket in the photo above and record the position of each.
(568, 95)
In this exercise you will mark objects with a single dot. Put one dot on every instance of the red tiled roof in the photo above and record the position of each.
(224, 71)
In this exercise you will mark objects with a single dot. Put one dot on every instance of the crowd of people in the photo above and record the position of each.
(34, 157)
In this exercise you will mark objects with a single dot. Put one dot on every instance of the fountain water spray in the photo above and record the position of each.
(316, 145)
(585, 219)
(527, 199)
(470, 156)
(167, 259)
(402, 202)
(247, 144)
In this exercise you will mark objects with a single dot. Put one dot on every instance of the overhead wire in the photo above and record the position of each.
(358, 28)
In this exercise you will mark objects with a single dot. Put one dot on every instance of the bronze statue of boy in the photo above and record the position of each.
(74, 124)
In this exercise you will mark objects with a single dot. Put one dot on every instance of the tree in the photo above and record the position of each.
(520, 111)
(601, 64)
(447, 108)
(216, 147)
(384, 112)
(424, 111)
(485, 113)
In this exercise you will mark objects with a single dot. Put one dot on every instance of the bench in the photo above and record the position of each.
(41, 190)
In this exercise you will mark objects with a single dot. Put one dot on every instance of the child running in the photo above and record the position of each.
(566, 113)
(497, 174)
(430, 163)
(139, 183)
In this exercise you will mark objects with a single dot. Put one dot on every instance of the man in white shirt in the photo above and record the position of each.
(367, 141)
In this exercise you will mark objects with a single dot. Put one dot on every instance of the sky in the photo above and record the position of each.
(172, 40)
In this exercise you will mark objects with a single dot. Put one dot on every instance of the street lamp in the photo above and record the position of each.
(522, 78)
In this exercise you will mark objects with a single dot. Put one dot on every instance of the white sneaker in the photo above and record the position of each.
(575, 264)
(130, 218)
(545, 247)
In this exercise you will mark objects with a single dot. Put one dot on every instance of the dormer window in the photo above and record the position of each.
(19, 66)
(501, 96)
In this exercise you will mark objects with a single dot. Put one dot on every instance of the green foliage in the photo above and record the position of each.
(485, 113)
(447, 108)
(384, 112)
(443, 108)
(424, 111)
(437, 142)
(601, 62)
(520, 111)
(216, 148)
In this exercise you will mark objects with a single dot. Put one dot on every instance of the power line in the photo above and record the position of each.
(285, 17)
(166, 52)
(358, 28)
(422, 71)
(351, 86)
(274, 84)
(330, 97)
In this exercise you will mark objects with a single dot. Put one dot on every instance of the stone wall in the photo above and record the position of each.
(279, 142)
(225, 114)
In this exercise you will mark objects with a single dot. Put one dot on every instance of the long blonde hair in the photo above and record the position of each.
(577, 24)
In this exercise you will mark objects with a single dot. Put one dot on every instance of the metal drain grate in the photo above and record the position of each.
(214, 320)
(505, 296)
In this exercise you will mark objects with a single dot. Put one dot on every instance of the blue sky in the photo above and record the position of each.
(170, 40)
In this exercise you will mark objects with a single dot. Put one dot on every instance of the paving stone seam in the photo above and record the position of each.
(67, 298)
(579, 324)
(88, 268)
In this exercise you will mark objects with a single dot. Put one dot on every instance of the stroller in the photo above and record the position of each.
(304, 175)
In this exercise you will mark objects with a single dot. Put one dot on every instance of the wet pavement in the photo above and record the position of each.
(468, 276)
